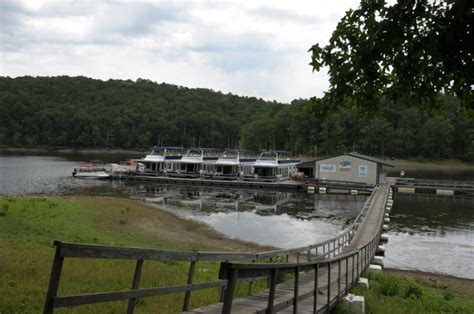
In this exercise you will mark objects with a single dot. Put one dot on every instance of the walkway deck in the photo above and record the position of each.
(343, 274)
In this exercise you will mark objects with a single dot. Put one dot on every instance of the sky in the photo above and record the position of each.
(250, 48)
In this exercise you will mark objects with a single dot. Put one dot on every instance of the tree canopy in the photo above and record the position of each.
(78, 112)
(409, 52)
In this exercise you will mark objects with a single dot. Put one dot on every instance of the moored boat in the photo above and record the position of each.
(90, 171)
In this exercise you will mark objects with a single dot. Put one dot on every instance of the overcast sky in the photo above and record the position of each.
(252, 48)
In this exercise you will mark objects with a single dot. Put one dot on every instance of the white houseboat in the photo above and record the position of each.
(235, 163)
(163, 160)
(197, 162)
(275, 164)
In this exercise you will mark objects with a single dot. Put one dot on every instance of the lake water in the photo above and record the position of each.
(427, 234)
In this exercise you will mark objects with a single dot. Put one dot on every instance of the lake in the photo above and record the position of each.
(426, 234)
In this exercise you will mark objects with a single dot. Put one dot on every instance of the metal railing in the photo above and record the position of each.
(326, 249)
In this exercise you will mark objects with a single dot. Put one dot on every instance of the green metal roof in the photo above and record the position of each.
(370, 158)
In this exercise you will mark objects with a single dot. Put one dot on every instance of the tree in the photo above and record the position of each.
(409, 52)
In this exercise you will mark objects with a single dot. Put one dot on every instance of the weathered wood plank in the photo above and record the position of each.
(130, 294)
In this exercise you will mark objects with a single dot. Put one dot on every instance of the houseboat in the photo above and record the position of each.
(163, 160)
(235, 163)
(197, 162)
(275, 164)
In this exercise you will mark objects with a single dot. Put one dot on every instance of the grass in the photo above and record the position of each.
(389, 293)
(28, 227)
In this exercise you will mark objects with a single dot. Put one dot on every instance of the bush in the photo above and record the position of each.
(448, 295)
(388, 286)
(413, 291)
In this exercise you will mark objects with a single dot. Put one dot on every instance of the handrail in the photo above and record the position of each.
(328, 248)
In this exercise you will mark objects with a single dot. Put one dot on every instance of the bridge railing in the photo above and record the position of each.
(354, 263)
(325, 249)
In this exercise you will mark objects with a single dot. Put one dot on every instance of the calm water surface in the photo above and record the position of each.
(432, 234)
(425, 234)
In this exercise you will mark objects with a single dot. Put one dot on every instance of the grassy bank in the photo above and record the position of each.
(397, 291)
(28, 227)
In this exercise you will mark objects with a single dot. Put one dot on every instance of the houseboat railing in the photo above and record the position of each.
(326, 249)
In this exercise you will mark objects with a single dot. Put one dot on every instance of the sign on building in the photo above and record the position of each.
(327, 168)
(345, 165)
(363, 170)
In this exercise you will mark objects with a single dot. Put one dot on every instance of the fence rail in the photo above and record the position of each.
(410, 182)
(326, 249)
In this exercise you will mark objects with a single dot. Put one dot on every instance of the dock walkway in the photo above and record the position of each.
(343, 274)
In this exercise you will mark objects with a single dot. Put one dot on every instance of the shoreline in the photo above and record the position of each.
(70, 151)
(400, 163)
(413, 273)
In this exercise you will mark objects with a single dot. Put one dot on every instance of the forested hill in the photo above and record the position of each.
(82, 112)
(78, 112)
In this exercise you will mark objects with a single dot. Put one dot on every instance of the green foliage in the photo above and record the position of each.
(79, 112)
(395, 131)
(413, 290)
(388, 286)
(389, 294)
(409, 52)
(85, 113)
(448, 295)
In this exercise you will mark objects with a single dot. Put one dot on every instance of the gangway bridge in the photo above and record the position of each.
(320, 274)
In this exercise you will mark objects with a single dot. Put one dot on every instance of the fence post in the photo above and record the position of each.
(329, 288)
(54, 279)
(316, 291)
(353, 267)
(295, 290)
(222, 289)
(136, 281)
(187, 295)
(229, 291)
(338, 279)
(271, 293)
(347, 274)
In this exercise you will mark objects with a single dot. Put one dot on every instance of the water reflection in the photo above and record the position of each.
(433, 234)
(281, 219)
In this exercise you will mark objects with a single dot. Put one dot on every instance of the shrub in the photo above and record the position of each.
(448, 295)
(413, 291)
(388, 286)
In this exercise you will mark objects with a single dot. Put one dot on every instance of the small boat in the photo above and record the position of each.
(125, 166)
(90, 171)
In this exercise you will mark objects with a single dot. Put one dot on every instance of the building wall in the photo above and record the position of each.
(347, 168)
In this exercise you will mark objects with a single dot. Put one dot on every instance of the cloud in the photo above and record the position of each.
(256, 48)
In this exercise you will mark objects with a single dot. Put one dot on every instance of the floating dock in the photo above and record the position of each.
(284, 185)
